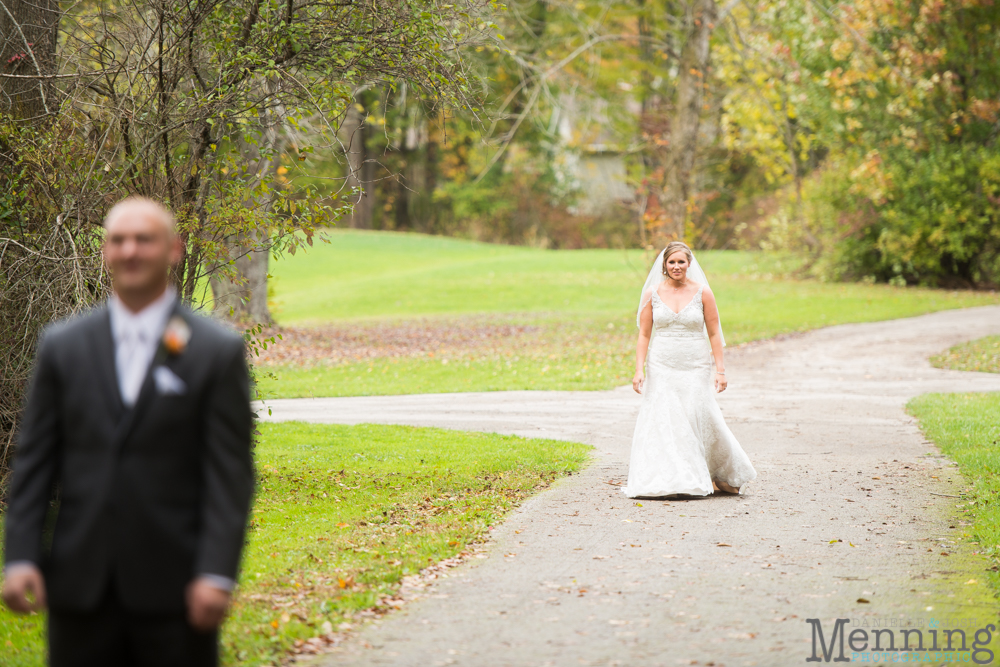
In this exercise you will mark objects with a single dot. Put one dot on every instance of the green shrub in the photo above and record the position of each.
(904, 218)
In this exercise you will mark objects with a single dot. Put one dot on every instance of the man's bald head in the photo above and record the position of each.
(140, 245)
(143, 207)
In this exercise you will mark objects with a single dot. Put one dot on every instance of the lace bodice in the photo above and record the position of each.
(688, 323)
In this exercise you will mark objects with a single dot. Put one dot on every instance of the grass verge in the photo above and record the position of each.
(982, 355)
(966, 428)
(342, 514)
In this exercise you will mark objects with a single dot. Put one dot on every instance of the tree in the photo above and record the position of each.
(191, 103)
(902, 98)
(28, 56)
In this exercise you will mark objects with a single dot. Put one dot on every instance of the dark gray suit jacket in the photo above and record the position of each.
(148, 497)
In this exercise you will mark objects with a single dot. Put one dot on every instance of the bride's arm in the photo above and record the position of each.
(714, 337)
(642, 345)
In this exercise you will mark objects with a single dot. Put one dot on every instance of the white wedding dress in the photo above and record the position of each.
(681, 442)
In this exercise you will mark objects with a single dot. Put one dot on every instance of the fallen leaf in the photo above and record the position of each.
(971, 581)
(723, 544)
(343, 525)
(863, 600)
(852, 544)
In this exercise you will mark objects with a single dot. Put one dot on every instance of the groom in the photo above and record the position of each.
(133, 476)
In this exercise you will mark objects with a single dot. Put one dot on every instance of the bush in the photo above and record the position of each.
(928, 218)
(50, 260)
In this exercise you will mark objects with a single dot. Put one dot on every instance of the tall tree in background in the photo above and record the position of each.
(28, 34)
(696, 25)
(193, 104)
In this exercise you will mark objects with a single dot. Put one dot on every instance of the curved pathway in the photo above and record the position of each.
(580, 575)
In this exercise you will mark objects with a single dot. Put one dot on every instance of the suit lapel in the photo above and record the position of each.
(148, 390)
(104, 351)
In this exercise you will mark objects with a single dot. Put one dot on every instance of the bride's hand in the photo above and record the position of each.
(637, 381)
(720, 383)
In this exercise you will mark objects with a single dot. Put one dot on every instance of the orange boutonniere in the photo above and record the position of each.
(176, 335)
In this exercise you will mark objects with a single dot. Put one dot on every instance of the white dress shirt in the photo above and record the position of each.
(137, 337)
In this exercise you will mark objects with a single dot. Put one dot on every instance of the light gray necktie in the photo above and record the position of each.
(133, 370)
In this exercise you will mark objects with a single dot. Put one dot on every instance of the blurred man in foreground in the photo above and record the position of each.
(137, 424)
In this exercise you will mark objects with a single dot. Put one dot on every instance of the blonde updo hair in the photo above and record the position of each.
(674, 247)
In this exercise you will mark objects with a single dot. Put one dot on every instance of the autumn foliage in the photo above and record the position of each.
(901, 100)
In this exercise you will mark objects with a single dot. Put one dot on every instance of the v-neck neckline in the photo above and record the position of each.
(657, 293)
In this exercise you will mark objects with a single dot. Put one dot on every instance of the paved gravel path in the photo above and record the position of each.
(580, 575)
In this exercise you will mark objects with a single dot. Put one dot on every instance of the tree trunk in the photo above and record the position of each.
(360, 169)
(245, 300)
(28, 48)
(692, 76)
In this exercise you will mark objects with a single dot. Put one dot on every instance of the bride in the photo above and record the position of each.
(681, 444)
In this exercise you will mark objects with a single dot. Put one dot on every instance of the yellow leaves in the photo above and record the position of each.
(841, 48)
(869, 178)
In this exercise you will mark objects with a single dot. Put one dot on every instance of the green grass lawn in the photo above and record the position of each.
(342, 514)
(967, 429)
(579, 305)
